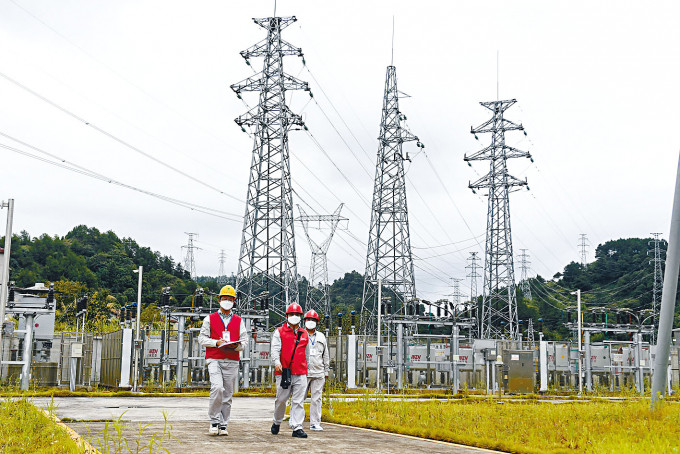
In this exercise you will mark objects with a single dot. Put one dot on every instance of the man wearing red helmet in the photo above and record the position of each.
(318, 365)
(288, 353)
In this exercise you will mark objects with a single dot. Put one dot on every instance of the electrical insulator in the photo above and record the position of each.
(354, 315)
(339, 319)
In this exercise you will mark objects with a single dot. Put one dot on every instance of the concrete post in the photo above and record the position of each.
(400, 356)
(589, 374)
(4, 279)
(454, 366)
(639, 373)
(28, 351)
(180, 350)
(246, 353)
(670, 286)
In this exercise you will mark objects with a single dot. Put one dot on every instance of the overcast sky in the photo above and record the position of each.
(596, 85)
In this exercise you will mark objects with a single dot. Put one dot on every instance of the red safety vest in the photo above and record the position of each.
(288, 336)
(216, 328)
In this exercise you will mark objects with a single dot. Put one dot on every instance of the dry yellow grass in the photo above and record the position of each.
(523, 426)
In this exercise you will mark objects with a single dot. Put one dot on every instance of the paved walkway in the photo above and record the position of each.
(248, 428)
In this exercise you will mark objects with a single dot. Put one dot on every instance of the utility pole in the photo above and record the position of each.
(474, 275)
(499, 305)
(189, 262)
(658, 279)
(524, 275)
(389, 243)
(221, 277)
(583, 249)
(670, 287)
(318, 297)
(5, 266)
(267, 261)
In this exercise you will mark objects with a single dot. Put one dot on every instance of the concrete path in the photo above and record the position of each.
(248, 428)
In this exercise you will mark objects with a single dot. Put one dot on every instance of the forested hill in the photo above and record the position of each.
(100, 265)
(621, 276)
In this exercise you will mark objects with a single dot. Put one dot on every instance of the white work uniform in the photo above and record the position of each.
(318, 366)
(297, 388)
(223, 372)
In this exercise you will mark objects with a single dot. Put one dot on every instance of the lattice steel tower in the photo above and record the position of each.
(583, 249)
(499, 305)
(189, 262)
(318, 297)
(389, 243)
(474, 275)
(267, 263)
(221, 276)
(658, 278)
(524, 275)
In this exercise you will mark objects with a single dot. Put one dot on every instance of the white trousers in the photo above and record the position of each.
(316, 391)
(223, 377)
(298, 389)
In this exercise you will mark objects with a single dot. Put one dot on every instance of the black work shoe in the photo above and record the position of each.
(299, 433)
(275, 429)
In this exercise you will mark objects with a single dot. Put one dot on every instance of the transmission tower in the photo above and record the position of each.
(658, 278)
(389, 245)
(318, 297)
(583, 249)
(530, 334)
(189, 262)
(474, 275)
(457, 296)
(499, 305)
(524, 275)
(221, 276)
(267, 268)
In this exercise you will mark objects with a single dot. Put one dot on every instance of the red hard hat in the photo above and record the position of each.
(294, 308)
(311, 314)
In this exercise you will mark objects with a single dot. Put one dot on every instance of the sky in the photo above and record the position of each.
(138, 92)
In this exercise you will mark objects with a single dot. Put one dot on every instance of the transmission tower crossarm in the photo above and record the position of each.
(489, 180)
(278, 22)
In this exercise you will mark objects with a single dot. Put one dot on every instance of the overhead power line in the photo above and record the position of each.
(116, 138)
(64, 164)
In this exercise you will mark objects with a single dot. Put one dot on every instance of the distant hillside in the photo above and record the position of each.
(100, 265)
(88, 262)
(620, 277)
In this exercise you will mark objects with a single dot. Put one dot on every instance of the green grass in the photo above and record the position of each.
(24, 428)
(527, 426)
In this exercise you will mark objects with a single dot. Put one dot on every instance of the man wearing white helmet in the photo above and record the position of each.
(290, 366)
(223, 334)
(318, 366)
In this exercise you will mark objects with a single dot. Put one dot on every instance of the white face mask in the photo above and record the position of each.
(294, 319)
(310, 324)
(226, 305)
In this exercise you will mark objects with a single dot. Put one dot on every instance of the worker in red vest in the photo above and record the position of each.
(288, 353)
(223, 334)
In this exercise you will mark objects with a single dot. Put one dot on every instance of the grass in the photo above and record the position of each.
(22, 426)
(526, 426)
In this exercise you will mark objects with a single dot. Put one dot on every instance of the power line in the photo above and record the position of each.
(116, 138)
(64, 164)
